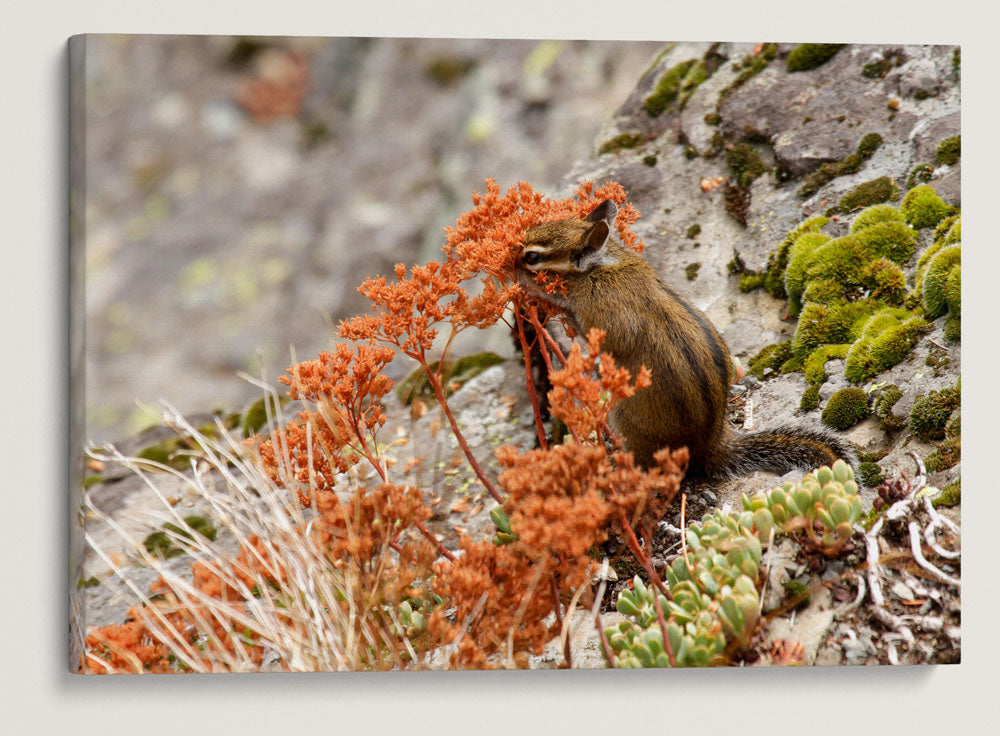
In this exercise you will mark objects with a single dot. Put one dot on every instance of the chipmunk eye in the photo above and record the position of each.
(531, 258)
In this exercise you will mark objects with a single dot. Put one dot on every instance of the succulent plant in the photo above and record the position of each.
(714, 600)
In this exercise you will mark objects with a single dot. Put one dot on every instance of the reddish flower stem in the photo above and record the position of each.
(641, 557)
(439, 393)
(435, 541)
(526, 351)
(663, 628)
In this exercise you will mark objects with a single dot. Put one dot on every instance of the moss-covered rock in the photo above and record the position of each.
(815, 365)
(876, 214)
(951, 495)
(744, 163)
(947, 455)
(884, 281)
(887, 338)
(453, 375)
(883, 400)
(922, 207)
(949, 151)
(882, 189)
(943, 275)
(620, 142)
(810, 399)
(799, 257)
(671, 83)
(919, 174)
(846, 408)
(826, 324)
(930, 413)
(851, 164)
(769, 360)
(890, 239)
(807, 56)
(870, 474)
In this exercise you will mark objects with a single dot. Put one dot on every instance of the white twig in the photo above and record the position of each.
(918, 555)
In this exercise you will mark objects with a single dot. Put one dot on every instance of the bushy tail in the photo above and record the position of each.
(785, 448)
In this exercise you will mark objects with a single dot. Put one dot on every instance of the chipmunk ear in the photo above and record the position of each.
(606, 211)
(596, 236)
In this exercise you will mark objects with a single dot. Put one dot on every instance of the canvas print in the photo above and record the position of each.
(408, 354)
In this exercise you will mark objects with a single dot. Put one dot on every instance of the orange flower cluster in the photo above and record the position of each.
(128, 648)
(561, 503)
(482, 245)
(346, 387)
(584, 402)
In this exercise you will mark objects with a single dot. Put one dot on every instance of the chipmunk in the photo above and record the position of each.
(609, 286)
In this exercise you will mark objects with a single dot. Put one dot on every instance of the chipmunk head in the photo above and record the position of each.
(569, 246)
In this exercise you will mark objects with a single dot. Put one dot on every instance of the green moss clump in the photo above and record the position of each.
(750, 281)
(893, 240)
(744, 164)
(868, 145)
(951, 495)
(884, 281)
(162, 544)
(953, 329)
(885, 341)
(922, 207)
(876, 214)
(919, 174)
(852, 163)
(752, 66)
(943, 271)
(845, 408)
(769, 360)
(649, 160)
(799, 258)
(930, 413)
(882, 189)
(824, 324)
(778, 260)
(810, 399)
(882, 402)
(694, 231)
(807, 56)
(254, 417)
(797, 594)
(949, 151)
(712, 118)
(947, 455)
(954, 426)
(829, 271)
(870, 474)
(815, 365)
(816, 180)
(620, 142)
(670, 84)
(691, 271)
(824, 291)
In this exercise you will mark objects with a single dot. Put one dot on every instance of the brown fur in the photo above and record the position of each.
(647, 323)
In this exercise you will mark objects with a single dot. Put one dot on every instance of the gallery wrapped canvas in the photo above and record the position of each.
(476, 354)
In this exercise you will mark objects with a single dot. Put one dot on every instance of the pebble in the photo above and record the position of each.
(750, 381)
(709, 496)
(902, 591)
(737, 390)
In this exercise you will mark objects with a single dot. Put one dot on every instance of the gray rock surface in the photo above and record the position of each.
(663, 180)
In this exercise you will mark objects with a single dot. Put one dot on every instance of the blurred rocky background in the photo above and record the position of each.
(237, 190)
